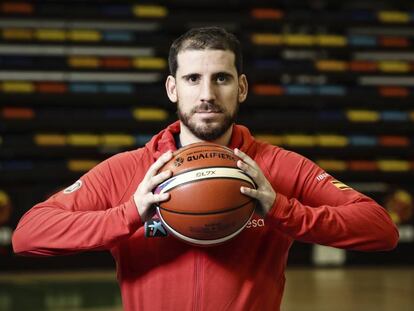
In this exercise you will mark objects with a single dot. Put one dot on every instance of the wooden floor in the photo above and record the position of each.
(365, 289)
(307, 289)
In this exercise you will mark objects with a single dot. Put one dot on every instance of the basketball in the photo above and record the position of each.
(205, 206)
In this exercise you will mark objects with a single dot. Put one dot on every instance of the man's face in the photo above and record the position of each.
(207, 90)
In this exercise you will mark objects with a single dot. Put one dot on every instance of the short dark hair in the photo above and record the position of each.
(211, 38)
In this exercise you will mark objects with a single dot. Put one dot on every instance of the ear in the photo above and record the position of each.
(170, 86)
(243, 88)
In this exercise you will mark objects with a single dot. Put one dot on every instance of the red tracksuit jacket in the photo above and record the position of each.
(246, 273)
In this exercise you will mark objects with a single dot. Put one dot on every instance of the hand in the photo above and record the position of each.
(264, 192)
(143, 196)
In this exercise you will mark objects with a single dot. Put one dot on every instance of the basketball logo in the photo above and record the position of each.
(178, 161)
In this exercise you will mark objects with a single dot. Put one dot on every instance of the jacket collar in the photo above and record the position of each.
(164, 140)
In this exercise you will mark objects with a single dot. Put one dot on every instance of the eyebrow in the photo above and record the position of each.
(223, 73)
(220, 73)
(189, 75)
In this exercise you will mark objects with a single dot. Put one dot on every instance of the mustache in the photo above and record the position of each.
(207, 107)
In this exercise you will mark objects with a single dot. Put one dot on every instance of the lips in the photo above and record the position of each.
(207, 108)
(208, 111)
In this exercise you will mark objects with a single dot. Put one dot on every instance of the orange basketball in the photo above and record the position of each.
(206, 206)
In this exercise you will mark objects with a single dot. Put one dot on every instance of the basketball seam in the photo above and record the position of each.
(203, 179)
(203, 241)
(208, 213)
(204, 167)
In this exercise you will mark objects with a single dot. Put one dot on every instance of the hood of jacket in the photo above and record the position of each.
(164, 140)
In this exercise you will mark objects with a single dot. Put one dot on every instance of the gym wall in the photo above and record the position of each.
(83, 80)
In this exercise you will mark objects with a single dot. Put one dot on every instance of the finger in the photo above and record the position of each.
(250, 192)
(252, 172)
(158, 164)
(244, 157)
(157, 198)
(157, 179)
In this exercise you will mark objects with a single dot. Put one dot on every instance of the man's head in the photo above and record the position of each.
(205, 38)
(206, 81)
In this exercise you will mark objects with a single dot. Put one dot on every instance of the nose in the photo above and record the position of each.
(207, 91)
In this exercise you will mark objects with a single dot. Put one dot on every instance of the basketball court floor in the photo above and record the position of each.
(307, 289)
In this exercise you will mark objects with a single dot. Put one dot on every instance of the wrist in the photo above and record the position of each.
(132, 215)
(145, 212)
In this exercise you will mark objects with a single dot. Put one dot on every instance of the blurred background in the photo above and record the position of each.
(333, 80)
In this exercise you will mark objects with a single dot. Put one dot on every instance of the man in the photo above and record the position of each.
(107, 207)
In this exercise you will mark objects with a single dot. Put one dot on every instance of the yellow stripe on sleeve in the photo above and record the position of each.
(340, 185)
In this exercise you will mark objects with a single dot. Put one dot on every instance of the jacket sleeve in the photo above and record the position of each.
(312, 206)
(88, 215)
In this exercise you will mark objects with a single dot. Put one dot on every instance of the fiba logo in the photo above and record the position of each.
(178, 161)
(73, 187)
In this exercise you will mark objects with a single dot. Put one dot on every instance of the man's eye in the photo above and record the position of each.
(221, 79)
(193, 79)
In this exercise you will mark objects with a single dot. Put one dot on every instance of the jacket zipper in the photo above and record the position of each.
(197, 285)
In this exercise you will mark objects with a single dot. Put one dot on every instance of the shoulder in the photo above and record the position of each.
(276, 161)
(118, 174)
(124, 164)
(268, 153)
(127, 160)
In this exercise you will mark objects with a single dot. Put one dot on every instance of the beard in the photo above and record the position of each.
(208, 130)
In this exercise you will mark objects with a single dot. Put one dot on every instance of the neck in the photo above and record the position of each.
(186, 137)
